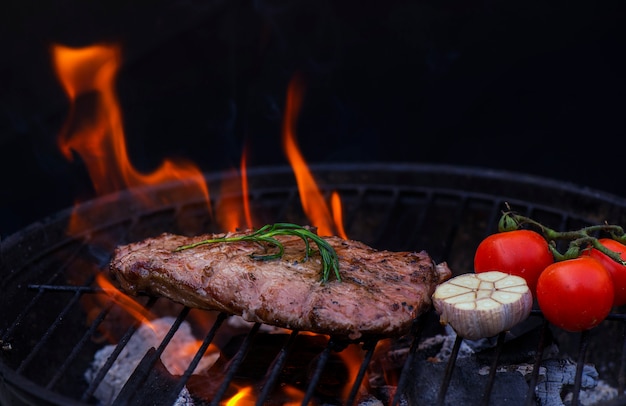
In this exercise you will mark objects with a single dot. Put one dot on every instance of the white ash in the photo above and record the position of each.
(556, 375)
(600, 394)
(447, 343)
(387, 393)
(370, 401)
(176, 357)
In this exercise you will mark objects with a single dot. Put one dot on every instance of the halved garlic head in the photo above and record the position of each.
(479, 305)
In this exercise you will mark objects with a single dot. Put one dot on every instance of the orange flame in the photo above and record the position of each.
(233, 213)
(88, 78)
(98, 137)
(187, 352)
(313, 202)
(242, 398)
(246, 397)
(244, 189)
(293, 393)
(335, 204)
(174, 356)
(352, 357)
(228, 210)
(132, 307)
(385, 365)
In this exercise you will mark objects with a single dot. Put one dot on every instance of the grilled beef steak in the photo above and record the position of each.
(381, 292)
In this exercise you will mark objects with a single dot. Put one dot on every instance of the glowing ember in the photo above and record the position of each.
(289, 396)
(176, 357)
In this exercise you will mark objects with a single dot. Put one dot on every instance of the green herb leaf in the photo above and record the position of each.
(265, 234)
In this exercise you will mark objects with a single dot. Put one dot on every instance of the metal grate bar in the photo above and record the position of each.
(416, 204)
(171, 397)
(235, 362)
(20, 317)
(494, 365)
(66, 288)
(276, 368)
(46, 336)
(370, 346)
(79, 346)
(317, 373)
(621, 379)
(534, 376)
(494, 216)
(393, 202)
(580, 364)
(419, 224)
(408, 364)
(443, 389)
(116, 352)
(349, 217)
(28, 308)
(458, 215)
(131, 388)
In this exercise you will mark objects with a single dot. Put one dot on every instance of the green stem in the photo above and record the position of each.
(266, 234)
(578, 239)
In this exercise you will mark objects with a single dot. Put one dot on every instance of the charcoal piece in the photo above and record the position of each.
(387, 394)
(615, 401)
(370, 401)
(256, 364)
(264, 349)
(204, 387)
(466, 385)
(158, 385)
(146, 337)
(557, 376)
(521, 349)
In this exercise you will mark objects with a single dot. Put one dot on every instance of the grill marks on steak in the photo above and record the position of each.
(381, 292)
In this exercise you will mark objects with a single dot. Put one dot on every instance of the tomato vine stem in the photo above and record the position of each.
(579, 240)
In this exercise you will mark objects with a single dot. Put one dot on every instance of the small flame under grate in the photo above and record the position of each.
(63, 339)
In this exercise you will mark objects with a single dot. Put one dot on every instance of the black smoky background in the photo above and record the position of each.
(527, 87)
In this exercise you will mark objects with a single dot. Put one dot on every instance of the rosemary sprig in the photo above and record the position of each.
(330, 260)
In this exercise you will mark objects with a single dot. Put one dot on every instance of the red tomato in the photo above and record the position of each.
(575, 294)
(617, 271)
(524, 253)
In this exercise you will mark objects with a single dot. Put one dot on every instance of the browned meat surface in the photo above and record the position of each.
(381, 292)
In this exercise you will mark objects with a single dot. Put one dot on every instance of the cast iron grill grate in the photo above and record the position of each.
(48, 340)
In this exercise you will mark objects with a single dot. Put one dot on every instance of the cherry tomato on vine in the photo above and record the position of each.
(524, 253)
(575, 294)
(617, 271)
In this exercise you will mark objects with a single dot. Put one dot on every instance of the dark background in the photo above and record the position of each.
(527, 87)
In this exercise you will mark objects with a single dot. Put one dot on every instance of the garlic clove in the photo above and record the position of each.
(479, 305)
